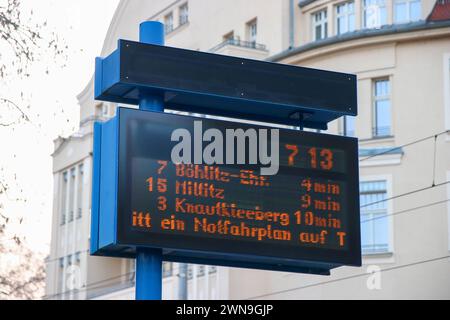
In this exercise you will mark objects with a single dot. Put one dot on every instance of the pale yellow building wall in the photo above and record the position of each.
(414, 62)
(212, 19)
(209, 20)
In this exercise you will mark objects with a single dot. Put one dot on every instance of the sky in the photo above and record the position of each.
(49, 100)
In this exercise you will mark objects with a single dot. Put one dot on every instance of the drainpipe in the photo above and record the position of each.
(291, 24)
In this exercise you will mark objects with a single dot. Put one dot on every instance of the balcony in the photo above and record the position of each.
(239, 48)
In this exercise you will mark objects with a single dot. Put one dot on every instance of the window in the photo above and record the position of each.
(446, 83)
(78, 258)
(374, 220)
(212, 269)
(105, 110)
(184, 14)
(167, 269)
(345, 17)
(374, 13)
(448, 209)
(65, 180)
(320, 25)
(252, 30)
(349, 126)
(72, 193)
(382, 108)
(69, 260)
(61, 275)
(407, 11)
(168, 22)
(102, 110)
(98, 109)
(229, 36)
(61, 263)
(201, 271)
(80, 191)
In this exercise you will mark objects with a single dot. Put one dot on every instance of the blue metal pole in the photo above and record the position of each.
(149, 274)
(149, 261)
(151, 32)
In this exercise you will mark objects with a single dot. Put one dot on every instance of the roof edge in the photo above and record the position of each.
(360, 34)
(304, 3)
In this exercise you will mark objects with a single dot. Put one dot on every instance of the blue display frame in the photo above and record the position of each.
(109, 239)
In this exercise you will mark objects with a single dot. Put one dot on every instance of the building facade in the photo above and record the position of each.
(400, 51)
(240, 28)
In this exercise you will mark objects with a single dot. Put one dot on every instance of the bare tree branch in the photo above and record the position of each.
(16, 106)
(22, 41)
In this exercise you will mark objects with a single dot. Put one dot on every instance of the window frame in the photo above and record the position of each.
(212, 270)
(408, 11)
(62, 262)
(79, 187)
(364, 19)
(69, 260)
(167, 269)
(345, 15)
(228, 37)
(446, 90)
(448, 209)
(63, 196)
(389, 210)
(344, 126)
(376, 99)
(105, 110)
(72, 190)
(183, 19)
(250, 37)
(78, 258)
(168, 28)
(323, 23)
(101, 110)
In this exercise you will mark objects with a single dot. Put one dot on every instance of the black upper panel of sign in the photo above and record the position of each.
(227, 86)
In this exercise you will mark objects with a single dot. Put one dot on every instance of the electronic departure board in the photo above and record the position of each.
(304, 218)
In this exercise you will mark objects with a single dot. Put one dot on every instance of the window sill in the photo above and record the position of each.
(381, 160)
(378, 258)
(405, 22)
(377, 139)
(379, 253)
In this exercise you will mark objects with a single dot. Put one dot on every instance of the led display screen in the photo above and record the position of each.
(229, 213)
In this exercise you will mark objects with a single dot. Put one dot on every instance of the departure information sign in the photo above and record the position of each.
(304, 216)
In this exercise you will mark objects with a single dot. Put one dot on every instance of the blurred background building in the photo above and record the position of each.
(400, 51)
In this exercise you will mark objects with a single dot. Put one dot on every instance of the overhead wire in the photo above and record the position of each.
(94, 285)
